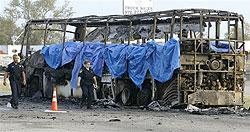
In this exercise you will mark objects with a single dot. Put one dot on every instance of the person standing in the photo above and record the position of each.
(88, 82)
(15, 73)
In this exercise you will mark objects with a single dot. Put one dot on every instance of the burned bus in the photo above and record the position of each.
(210, 55)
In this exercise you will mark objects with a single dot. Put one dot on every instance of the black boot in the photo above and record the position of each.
(82, 102)
(89, 107)
(14, 106)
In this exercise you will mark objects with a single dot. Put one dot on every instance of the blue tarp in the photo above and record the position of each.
(160, 60)
(93, 53)
(115, 59)
(221, 47)
(164, 60)
(53, 55)
(137, 62)
(70, 51)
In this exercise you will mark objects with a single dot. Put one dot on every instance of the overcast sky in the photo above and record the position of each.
(107, 7)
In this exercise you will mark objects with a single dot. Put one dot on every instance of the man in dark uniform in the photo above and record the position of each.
(88, 83)
(15, 72)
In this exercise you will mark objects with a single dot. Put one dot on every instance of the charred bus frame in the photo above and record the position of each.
(205, 77)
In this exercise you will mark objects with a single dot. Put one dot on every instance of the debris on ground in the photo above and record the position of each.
(37, 96)
(114, 120)
(73, 103)
(155, 106)
(159, 123)
(209, 111)
(53, 118)
(244, 112)
(149, 129)
(106, 103)
(190, 108)
(39, 117)
(9, 105)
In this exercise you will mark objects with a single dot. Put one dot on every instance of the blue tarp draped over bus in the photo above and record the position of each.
(223, 47)
(93, 53)
(220, 47)
(115, 59)
(137, 62)
(164, 60)
(160, 60)
(53, 55)
(70, 51)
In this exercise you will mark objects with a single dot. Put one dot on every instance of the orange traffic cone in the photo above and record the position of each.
(54, 101)
(54, 108)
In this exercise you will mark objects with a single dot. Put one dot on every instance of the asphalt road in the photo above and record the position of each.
(31, 117)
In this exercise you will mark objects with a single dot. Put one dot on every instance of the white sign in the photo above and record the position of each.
(137, 6)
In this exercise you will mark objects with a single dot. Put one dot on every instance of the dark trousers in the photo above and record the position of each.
(16, 91)
(87, 94)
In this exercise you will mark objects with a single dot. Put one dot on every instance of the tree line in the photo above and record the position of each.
(18, 12)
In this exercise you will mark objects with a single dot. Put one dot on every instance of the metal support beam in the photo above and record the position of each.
(64, 33)
(154, 27)
(85, 30)
(172, 26)
(217, 34)
(45, 34)
(27, 41)
(129, 36)
(106, 33)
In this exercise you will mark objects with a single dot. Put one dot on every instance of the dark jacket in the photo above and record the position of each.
(15, 71)
(86, 76)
